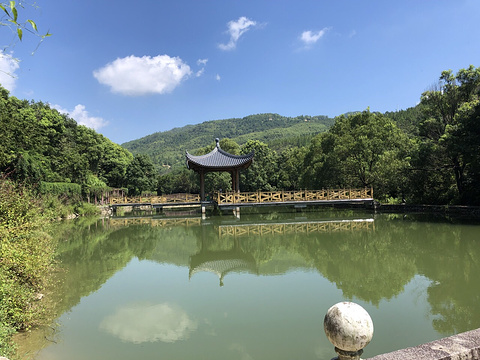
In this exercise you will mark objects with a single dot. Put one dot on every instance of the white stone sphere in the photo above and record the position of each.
(348, 326)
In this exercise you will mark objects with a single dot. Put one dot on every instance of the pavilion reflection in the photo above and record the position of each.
(225, 246)
(234, 247)
(222, 262)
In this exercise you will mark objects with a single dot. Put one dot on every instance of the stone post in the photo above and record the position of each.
(349, 328)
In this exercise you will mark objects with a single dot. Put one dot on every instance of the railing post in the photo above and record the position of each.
(349, 328)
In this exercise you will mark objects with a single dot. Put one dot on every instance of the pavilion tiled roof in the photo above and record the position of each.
(218, 160)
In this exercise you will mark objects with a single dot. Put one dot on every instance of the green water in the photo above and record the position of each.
(258, 286)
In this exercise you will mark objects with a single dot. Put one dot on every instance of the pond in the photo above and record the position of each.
(256, 286)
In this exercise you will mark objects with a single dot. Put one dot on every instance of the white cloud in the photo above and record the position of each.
(203, 63)
(136, 76)
(217, 77)
(311, 37)
(237, 29)
(81, 116)
(138, 323)
(8, 65)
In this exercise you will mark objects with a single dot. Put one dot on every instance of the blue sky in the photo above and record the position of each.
(132, 68)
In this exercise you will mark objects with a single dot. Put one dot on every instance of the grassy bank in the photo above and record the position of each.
(26, 256)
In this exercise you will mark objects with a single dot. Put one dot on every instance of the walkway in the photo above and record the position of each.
(297, 198)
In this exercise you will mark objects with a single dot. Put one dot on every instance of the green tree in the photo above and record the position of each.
(361, 150)
(113, 164)
(37, 144)
(140, 175)
(291, 160)
(450, 110)
(322, 167)
(180, 181)
(463, 139)
(262, 173)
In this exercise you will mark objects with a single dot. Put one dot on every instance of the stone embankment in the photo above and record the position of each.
(464, 346)
(449, 210)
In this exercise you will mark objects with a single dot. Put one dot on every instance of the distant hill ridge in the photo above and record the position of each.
(168, 148)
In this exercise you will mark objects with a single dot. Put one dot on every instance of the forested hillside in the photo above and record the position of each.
(52, 153)
(167, 149)
(37, 143)
(427, 154)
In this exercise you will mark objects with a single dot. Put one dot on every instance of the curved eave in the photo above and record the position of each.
(218, 160)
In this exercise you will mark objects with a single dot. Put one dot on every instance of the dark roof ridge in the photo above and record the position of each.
(218, 159)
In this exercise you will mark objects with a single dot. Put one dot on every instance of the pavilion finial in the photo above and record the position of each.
(217, 140)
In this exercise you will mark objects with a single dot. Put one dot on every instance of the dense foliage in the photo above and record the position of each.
(426, 154)
(361, 150)
(26, 258)
(48, 150)
(448, 155)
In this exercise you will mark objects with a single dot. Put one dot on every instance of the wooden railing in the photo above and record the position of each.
(289, 196)
(258, 197)
(294, 228)
(164, 199)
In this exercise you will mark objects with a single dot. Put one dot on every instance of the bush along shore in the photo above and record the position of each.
(26, 256)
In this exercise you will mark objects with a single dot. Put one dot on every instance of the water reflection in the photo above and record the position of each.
(274, 265)
(367, 260)
(222, 262)
(139, 323)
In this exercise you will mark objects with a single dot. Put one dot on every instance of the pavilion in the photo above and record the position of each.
(219, 160)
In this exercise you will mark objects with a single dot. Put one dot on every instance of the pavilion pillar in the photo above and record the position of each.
(232, 174)
(202, 186)
(237, 180)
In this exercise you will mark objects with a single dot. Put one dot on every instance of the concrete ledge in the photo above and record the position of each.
(439, 209)
(464, 346)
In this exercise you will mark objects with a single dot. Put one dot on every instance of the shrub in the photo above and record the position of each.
(26, 258)
(7, 347)
(61, 189)
(87, 209)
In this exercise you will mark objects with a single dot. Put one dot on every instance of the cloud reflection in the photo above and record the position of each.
(139, 323)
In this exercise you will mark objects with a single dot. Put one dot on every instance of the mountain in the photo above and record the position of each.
(167, 148)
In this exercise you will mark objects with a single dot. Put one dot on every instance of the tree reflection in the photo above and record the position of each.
(450, 257)
(365, 263)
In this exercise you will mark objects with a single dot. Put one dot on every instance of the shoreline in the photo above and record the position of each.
(446, 210)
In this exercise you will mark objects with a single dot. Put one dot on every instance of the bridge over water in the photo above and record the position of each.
(232, 200)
